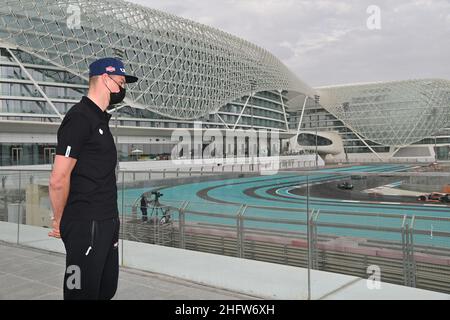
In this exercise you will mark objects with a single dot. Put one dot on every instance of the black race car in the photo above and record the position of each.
(345, 186)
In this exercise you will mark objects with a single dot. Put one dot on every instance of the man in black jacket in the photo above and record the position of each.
(83, 189)
(144, 205)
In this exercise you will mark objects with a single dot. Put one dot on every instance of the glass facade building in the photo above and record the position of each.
(187, 72)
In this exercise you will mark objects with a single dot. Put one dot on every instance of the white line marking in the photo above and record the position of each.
(435, 205)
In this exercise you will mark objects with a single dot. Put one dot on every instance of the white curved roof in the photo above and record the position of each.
(395, 113)
(185, 69)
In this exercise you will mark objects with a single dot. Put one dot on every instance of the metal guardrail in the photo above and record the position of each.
(377, 160)
(186, 229)
(207, 168)
(241, 240)
(33, 174)
(180, 233)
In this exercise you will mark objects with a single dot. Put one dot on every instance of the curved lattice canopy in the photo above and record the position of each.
(391, 113)
(185, 69)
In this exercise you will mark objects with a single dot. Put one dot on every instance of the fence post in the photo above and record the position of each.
(178, 171)
(164, 173)
(6, 203)
(240, 230)
(149, 174)
(314, 238)
(404, 251)
(408, 258)
(19, 216)
(154, 225)
(310, 237)
(190, 172)
(412, 262)
(182, 224)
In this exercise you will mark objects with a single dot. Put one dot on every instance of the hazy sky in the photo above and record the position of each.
(328, 41)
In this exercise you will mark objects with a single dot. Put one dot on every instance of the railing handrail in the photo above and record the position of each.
(232, 217)
(322, 211)
(298, 172)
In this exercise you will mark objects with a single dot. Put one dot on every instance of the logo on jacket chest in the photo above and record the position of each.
(100, 131)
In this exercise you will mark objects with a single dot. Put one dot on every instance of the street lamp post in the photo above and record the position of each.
(252, 88)
(316, 103)
(435, 148)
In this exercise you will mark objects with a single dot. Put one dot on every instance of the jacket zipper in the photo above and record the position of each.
(92, 237)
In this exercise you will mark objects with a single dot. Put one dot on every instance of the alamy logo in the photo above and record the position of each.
(260, 148)
(374, 280)
(74, 18)
(74, 280)
(374, 20)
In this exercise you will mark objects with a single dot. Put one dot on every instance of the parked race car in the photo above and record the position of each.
(434, 197)
(345, 186)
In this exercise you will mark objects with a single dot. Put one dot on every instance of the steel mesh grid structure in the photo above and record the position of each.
(394, 113)
(185, 69)
(188, 71)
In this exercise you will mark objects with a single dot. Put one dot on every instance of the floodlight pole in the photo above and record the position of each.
(316, 102)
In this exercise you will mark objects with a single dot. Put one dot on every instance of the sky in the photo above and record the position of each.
(327, 42)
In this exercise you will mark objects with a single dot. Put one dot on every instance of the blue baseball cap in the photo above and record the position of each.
(110, 66)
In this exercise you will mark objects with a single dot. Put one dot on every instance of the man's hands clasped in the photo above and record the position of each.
(55, 229)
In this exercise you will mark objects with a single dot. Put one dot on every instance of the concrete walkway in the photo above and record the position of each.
(27, 274)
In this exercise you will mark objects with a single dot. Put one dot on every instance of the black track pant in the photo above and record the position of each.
(92, 258)
(144, 213)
